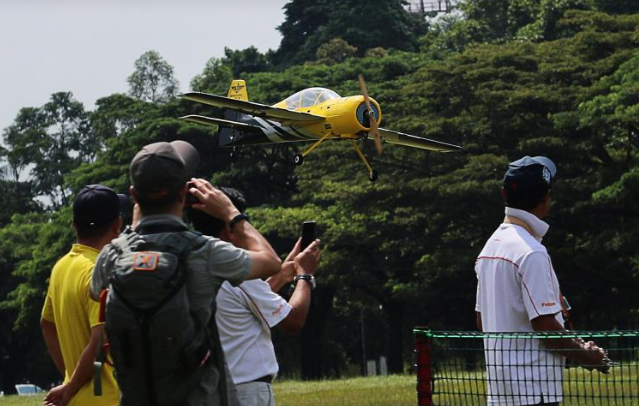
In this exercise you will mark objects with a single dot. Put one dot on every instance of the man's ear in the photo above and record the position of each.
(182, 193)
(116, 227)
(546, 199)
(503, 194)
(133, 194)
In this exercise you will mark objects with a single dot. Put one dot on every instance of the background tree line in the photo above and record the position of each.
(501, 78)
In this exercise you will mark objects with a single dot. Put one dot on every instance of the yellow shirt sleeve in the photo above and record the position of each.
(47, 309)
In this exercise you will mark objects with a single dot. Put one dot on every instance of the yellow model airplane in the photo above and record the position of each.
(314, 114)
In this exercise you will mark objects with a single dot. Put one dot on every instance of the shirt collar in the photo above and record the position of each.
(80, 248)
(160, 219)
(539, 227)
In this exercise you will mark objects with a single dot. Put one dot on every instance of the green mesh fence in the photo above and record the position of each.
(473, 369)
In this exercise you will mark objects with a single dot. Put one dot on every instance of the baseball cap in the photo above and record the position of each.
(162, 168)
(98, 205)
(529, 173)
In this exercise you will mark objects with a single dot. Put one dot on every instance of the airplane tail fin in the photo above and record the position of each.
(227, 136)
(238, 90)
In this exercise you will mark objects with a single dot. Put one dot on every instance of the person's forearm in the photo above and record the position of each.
(300, 303)
(50, 335)
(277, 282)
(84, 369)
(249, 237)
(572, 348)
(252, 240)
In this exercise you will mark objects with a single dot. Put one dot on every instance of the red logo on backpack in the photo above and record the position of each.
(146, 261)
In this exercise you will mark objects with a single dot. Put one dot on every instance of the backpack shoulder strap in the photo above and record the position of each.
(124, 242)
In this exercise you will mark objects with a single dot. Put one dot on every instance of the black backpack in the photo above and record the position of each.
(159, 347)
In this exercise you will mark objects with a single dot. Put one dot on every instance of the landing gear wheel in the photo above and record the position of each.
(299, 159)
(373, 176)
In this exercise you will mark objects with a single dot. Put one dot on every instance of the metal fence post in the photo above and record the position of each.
(423, 366)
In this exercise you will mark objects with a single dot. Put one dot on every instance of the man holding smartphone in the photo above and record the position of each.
(246, 313)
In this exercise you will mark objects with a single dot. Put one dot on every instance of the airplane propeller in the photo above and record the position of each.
(371, 115)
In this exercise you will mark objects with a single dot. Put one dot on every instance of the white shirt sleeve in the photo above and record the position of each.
(478, 300)
(271, 307)
(540, 289)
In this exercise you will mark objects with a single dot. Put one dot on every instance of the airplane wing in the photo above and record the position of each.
(254, 109)
(395, 137)
(193, 118)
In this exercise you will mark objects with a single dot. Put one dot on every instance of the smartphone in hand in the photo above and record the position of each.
(308, 234)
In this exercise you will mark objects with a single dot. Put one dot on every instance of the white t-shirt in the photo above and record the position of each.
(244, 317)
(517, 283)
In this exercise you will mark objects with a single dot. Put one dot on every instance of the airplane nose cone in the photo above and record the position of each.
(363, 116)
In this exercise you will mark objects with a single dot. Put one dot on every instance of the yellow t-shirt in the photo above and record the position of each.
(70, 308)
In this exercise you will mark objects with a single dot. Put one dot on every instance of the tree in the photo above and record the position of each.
(335, 51)
(489, 21)
(115, 115)
(617, 6)
(23, 139)
(215, 78)
(614, 114)
(245, 61)
(364, 24)
(152, 79)
(49, 142)
(31, 246)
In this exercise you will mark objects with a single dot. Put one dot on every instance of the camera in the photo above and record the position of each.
(190, 199)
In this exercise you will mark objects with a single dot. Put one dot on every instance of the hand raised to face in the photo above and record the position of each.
(212, 200)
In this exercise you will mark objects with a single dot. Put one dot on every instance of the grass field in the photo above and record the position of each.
(397, 390)
(581, 388)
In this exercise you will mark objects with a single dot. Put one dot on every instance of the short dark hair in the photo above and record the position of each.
(525, 200)
(158, 206)
(90, 232)
(213, 226)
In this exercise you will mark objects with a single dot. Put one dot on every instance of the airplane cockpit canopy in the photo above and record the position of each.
(310, 97)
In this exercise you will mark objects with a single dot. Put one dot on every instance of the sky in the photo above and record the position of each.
(89, 47)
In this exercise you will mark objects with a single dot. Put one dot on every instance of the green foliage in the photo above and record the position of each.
(215, 77)
(364, 24)
(614, 114)
(31, 245)
(488, 21)
(47, 143)
(400, 252)
(244, 61)
(219, 72)
(335, 51)
(617, 6)
(152, 79)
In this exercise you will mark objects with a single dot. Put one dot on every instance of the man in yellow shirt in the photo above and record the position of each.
(70, 319)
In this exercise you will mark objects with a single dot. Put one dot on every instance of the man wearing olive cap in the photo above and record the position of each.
(161, 176)
(70, 322)
(518, 291)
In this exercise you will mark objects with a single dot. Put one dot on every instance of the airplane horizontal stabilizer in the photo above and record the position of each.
(193, 118)
(395, 137)
(255, 109)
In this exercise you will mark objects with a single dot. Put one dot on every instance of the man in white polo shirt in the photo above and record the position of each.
(518, 291)
(246, 313)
